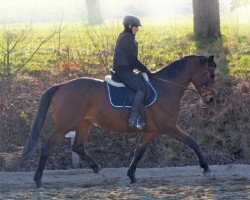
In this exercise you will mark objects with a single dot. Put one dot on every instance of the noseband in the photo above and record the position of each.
(204, 90)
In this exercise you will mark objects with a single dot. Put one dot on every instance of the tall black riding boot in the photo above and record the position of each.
(134, 119)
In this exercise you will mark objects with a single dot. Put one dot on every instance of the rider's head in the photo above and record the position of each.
(131, 24)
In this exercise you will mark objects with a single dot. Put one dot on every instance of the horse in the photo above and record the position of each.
(79, 103)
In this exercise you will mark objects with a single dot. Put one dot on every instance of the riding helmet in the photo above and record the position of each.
(130, 19)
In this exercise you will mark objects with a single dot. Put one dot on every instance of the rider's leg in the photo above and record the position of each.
(135, 83)
(134, 119)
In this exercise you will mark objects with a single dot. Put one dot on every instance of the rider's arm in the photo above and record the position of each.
(131, 57)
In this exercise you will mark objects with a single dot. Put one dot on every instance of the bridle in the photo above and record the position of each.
(203, 91)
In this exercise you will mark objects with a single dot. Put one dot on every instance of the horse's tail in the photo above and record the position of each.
(38, 122)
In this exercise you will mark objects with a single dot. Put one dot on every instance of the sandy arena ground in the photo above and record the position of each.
(226, 182)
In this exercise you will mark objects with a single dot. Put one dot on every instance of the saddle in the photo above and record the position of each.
(121, 96)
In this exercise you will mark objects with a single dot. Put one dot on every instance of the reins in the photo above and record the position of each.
(172, 83)
(201, 91)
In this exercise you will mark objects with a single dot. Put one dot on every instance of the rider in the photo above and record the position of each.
(125, 61)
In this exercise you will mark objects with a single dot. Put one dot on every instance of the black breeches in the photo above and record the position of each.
(131, 80)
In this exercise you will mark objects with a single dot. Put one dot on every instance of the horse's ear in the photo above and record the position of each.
(211, 58)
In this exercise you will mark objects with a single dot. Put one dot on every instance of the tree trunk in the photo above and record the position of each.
(94, 12)
(206, 18)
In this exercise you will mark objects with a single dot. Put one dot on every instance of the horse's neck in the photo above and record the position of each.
(181, 78)
(182, 81)
(177, 85)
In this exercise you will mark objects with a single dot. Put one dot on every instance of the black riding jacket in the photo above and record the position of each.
(126, 53)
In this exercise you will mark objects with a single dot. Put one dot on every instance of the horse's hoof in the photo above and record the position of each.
(40, 189)
(38, 184)
(96, 168)
(133, 180)
(207, 174)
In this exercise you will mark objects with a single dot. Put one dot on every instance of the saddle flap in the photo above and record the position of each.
(120, 97)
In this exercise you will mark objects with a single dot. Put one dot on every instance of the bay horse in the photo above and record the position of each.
(83, 101)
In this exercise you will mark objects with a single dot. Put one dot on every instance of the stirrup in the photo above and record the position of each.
(137, 123)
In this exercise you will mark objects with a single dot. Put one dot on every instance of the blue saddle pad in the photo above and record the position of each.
(123, 96)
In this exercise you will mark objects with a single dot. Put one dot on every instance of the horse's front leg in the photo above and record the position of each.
(179, 135)
(139, 151)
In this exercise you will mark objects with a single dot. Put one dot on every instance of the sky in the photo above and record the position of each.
(12, 11)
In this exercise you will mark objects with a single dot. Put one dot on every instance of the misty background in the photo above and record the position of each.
(23, 11)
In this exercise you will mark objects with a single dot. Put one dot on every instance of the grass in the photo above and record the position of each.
(222, 129)
(91, 48)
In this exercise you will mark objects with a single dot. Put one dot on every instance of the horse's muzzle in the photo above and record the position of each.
(207, 95)
(208, 98)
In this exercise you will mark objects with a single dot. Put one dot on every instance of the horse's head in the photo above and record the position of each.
(204, 80)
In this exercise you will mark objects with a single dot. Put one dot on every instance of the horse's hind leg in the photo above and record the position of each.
(182, 137)
(139, 151)
(81, 137)
(47, 149)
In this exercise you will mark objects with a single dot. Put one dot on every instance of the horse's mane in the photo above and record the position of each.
(176, 67)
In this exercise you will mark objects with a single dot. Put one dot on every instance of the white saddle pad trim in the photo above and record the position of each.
(145, 76)
(112, 82)
(116, 84)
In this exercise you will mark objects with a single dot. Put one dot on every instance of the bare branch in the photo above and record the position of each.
(39, 46)
(22, 37)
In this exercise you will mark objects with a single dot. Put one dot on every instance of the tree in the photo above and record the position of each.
(94, 12)
(238, 3)
(206, 18)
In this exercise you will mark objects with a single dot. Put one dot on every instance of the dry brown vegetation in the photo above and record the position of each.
(222, 128)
